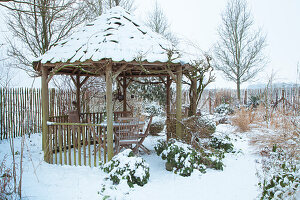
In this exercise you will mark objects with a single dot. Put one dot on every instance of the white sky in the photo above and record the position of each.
(197, 20)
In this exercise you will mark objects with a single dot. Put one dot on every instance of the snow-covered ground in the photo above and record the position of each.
(42, 181)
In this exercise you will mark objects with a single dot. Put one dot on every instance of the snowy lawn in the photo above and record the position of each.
(45, 181)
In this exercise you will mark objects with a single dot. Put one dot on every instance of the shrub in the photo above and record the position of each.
(157, 125)
(125, 166)
(280, 175)
(201, 125)
(153, 109)
(195, 127)
(224, 109)
(223, 144)
(184, 159)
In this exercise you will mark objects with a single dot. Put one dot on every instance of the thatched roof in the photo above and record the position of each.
(116, 35)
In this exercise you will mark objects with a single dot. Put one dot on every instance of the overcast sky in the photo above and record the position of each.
(197, 20)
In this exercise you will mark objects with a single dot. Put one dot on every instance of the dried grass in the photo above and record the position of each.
(285, 132)
(242, 119)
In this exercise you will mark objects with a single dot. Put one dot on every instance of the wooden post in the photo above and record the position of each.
(245, 97)
(78, 94)
(283, 101)
(209, 102)
(179, 132)
(124, 94)
(45, 114)
(109, 111)
(168, 109)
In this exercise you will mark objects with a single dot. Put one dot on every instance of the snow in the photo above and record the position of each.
(47, 181)
(117, 35)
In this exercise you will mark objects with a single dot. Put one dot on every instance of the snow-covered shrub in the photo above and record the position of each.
(223, 144)
(280, 175)
(157, 125)
(224, 109)
(153, 109)
(125, 166)
(184, 159)
(199, 126)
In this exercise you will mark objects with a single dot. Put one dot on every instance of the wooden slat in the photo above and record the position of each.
(84, 145)
(89, 145)
(65, 128)
(60, 144)
(51, 144)
(95, 150)
(69, 145)
(104, 147)
(55, 143)
(99, 131)
(79, 144)
(74, 143)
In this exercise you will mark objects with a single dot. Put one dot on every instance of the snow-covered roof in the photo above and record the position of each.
(115, 35)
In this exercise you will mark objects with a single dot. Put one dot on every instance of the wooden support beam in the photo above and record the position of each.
(84, 81)
(78, 94)
(179, 132)
(168, 108)
(120, 70)
(109, 111)
(124, 86)
(45, 115)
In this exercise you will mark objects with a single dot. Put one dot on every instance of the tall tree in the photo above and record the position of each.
(37, 25)
(158, 22)
(199, 76)
(239, 50)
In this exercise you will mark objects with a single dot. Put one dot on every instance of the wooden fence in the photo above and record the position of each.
(211, 98)
(20, 108)
(21, 111)
(77, 144)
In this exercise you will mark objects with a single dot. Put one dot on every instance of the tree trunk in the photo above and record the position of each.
(193, 98)
(238, 88)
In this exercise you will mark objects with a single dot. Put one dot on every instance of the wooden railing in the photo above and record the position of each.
(91, 118)
(77, 144)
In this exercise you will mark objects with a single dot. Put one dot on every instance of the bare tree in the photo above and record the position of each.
(199, 76)
(157, 21)
(126, 4)
(239, 51)
(37, 25)
(95, 8)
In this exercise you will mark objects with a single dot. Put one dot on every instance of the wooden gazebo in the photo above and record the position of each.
(115, 46)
